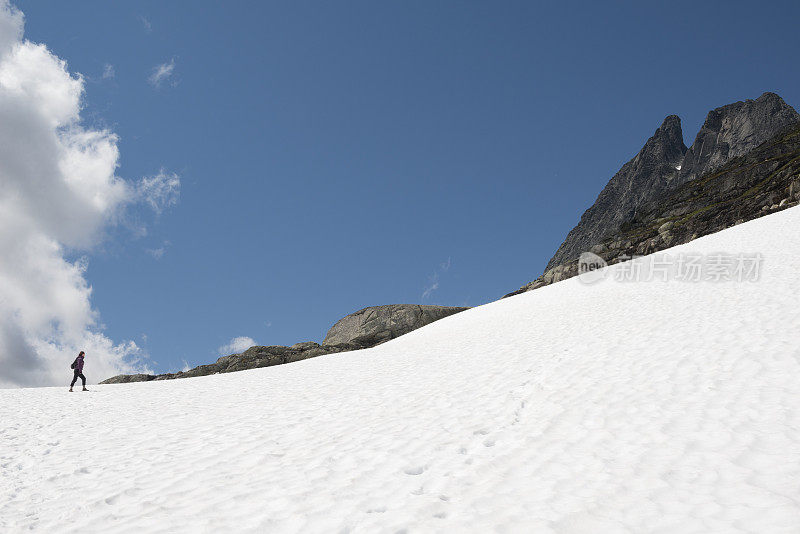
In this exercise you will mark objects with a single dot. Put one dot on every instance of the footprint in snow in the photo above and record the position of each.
(418, 470)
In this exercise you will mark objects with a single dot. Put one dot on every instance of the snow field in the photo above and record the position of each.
(654, 407)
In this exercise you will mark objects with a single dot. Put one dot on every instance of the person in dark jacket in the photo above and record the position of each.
(77, 365)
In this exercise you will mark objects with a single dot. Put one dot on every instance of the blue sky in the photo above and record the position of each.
(340, 155)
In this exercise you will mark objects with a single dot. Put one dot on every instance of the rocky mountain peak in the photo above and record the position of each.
(665, 163)
(670, 131)
(763, 181)
(666, 144)
(733, 130)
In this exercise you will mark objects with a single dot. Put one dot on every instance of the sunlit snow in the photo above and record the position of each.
(613, 407)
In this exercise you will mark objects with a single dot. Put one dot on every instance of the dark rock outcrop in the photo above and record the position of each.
(360, 330)
(640, 180)
(664, 163)
(377, 324)
(760, 182)
(258, 356)
(124, 379)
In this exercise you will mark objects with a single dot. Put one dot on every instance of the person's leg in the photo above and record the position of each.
(74, 379)
(83, 380)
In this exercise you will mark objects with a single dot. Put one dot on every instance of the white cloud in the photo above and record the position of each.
(159, 191)
(236, 345)
(161, 73)
(11, 24)
(433, 285)
(159, 252)
(108, 71)
(59, 193)
(433, 280)
(146, 24)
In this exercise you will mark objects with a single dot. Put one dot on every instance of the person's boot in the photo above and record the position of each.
(70, 390)
(84, 388)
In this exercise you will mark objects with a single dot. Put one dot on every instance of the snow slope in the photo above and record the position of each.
(614, 407)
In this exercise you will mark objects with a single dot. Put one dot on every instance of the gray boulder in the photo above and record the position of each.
(377, 324)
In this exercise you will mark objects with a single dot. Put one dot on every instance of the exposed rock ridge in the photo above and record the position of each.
(258, 356)
(360, 330)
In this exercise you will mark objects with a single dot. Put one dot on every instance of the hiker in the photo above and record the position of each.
(77, 365)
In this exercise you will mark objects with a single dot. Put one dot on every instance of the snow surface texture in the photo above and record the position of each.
(606, 408)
